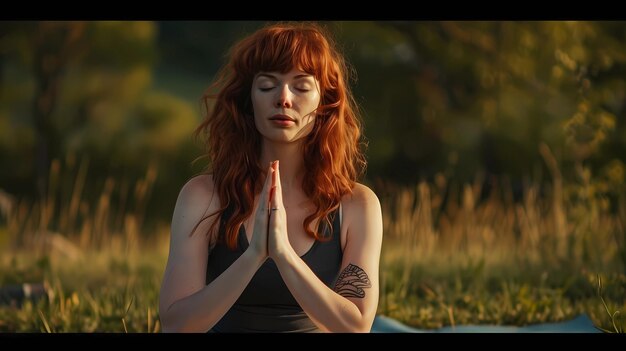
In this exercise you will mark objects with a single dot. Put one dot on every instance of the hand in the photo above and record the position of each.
(258, 242)
(278, 238)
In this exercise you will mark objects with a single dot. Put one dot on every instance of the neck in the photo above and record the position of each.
(291, 164)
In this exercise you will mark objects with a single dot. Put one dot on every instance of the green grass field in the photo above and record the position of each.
(462, 262)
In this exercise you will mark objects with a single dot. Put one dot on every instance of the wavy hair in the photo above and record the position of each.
(333, 151)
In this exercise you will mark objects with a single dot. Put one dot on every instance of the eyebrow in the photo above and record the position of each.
(271, 76)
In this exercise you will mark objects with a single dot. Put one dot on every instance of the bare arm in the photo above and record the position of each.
(186, 304)
(351, 305)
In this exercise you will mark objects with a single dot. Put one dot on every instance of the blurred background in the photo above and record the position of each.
(497, 150)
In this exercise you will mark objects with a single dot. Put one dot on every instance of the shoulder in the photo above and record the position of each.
(201, 185)
(361, 207)
(197, 188)
(361, 196)
(196, 199)
(201, 182)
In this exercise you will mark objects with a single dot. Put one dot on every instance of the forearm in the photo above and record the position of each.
(328, 310)
(201, 311)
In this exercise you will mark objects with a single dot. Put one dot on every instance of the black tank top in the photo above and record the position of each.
(266, 304)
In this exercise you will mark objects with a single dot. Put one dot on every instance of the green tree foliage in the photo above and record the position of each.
(475, 95)
(101, 103)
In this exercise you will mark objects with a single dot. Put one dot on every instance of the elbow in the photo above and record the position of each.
(172, 323)
(360, 325)
(169, 329)
(168, 325)
(360, 328)
(352, 321)
(354, 328)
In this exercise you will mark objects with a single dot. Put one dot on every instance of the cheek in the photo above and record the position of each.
(255, 101)
(258, 105)
(312, 103)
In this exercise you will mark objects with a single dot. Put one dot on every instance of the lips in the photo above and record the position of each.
(281, 117)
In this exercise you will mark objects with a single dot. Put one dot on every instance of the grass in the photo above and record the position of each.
(448, 258)
(497, 261)
(105, 291)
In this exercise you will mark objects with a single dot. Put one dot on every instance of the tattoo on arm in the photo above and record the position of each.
(352, 281)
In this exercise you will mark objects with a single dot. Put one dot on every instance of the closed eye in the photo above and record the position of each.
(266, 89)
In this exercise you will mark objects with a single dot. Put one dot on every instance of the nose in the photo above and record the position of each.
(284, 97)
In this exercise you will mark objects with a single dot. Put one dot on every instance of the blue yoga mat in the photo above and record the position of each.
(580, 324)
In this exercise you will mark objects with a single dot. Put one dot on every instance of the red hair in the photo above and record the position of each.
(333, 156)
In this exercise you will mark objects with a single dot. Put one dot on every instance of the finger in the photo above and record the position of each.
(273, 187)
(265, 193)
(277, 199)
(278, 193)
(271, 224)
(274, 202)
(274, 165)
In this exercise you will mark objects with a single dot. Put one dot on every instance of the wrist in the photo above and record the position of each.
(254, 258)
(284, 256)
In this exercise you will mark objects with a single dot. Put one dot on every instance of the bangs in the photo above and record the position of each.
(280, 50)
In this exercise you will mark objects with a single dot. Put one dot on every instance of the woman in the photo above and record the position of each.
(279, 236)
